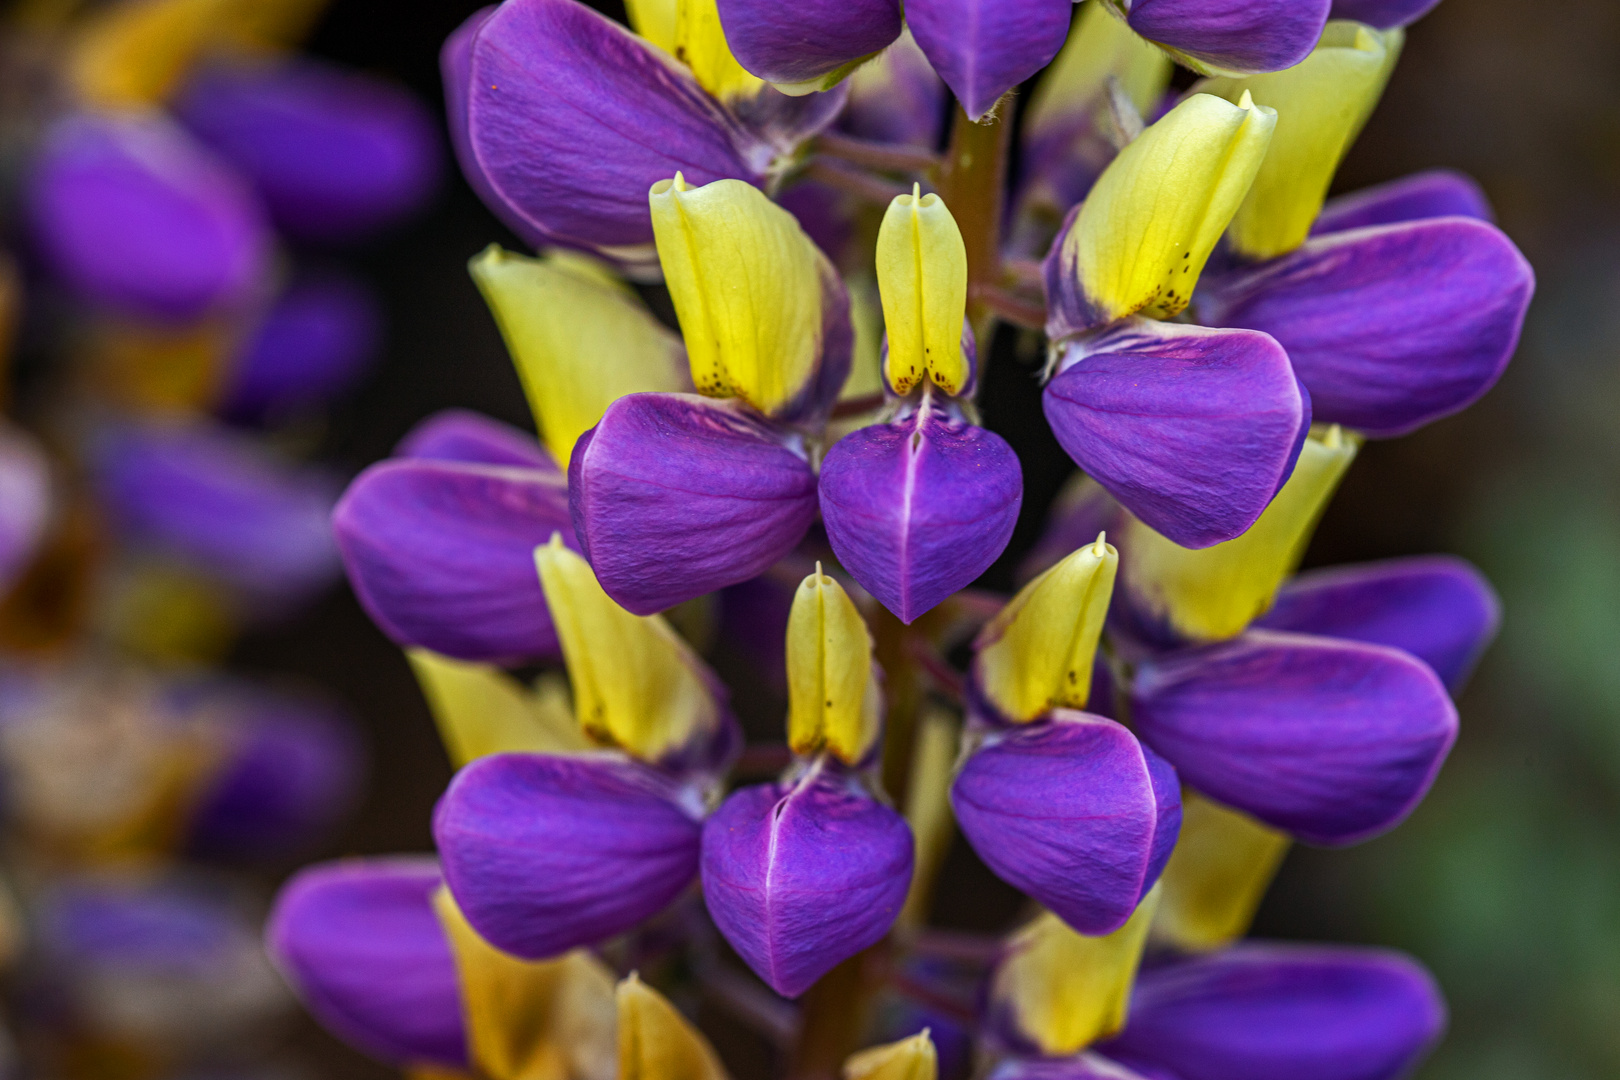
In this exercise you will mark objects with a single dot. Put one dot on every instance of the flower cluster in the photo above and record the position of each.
(1132, 740)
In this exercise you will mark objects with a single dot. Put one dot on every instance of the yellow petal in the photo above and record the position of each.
(908, 1059)
(1321, 104)
(481, 710)
(1075, 86)
(1215, 592)
(746, 282)
(700, 43)
(637, 685)
(528, 1019)
(266, 25)
(135, 52)
(1036, 654)
(1064, 990)
(928, 808)
(1147, 228)
(654, 20)
(922, 275)
(1216, 877)
(656, 1042)
(833, 698)
(580, 339)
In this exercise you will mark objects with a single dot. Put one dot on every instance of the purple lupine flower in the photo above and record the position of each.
(360, 943)
(128, 211)
(337, 155)
(222, 501)
(439, 543)
(316, 341)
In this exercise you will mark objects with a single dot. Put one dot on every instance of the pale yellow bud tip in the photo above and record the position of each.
(922, 277)
(833, 697)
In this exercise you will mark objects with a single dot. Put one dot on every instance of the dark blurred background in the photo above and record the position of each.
(1506, 882)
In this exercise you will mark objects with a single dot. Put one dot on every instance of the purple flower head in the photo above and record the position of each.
(315, 343)
(219, 499)
(1332, 741)
(803, 874)
(363, 948)
(1282, 1012)
(129, 212)
(337, 155)
(544, 854)
(1072, 810)
(919, 507)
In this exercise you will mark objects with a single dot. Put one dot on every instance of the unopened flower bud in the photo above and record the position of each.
(922, 274)
(1321, 106)
(833, 698)
(1036, 654)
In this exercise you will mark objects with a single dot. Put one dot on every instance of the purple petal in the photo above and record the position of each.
(475, 439)
(221, 499)
(290, 768)
(800, 877)
(546, 854)
(753, 625)
(337, 154)
(1192, 429)
(1330, 740)
(1383, 14)
(360, 943)
(1389, 327)
(572, 119)
(1433, 194)
(441, 555)
(1084, 1066)
(1439, 609)
(984, 48)
(25, 501)
(315, 343)
(1283, 1012)
(675, 495)
(1073, 811)
(155, 926)
(1239, 36)
(128, 211)
(797, 43)
(783, 121)
(919, 508)
(897, 98)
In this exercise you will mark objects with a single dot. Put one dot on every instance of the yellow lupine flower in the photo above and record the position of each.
(1216, 877)
(1065, 990)
(746, 282)
(1036, 654)
(1147, 228)
(1215, 592)
(1321, 106)
(636, 684)
(923, 278)
(580, 339)
(833, 698)
(653, 20)
(909, 1059)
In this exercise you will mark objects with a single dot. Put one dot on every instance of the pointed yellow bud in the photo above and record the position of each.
(656, 1042)
(1148, 226)
(928, 809)
(527, 1019)
(135, 52)
(746, 282)
(833, 698)
(922, 275)
(1036, 654)
(1064, 990)
(481, 710)
(654, 20)
(1216, 592)
(580, 339)
(1100, 47)
(908, 1059)
(1321, 106)
(637, 685)
(1216, 877)
(700, 43)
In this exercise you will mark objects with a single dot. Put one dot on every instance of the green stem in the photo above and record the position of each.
(972, 179)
